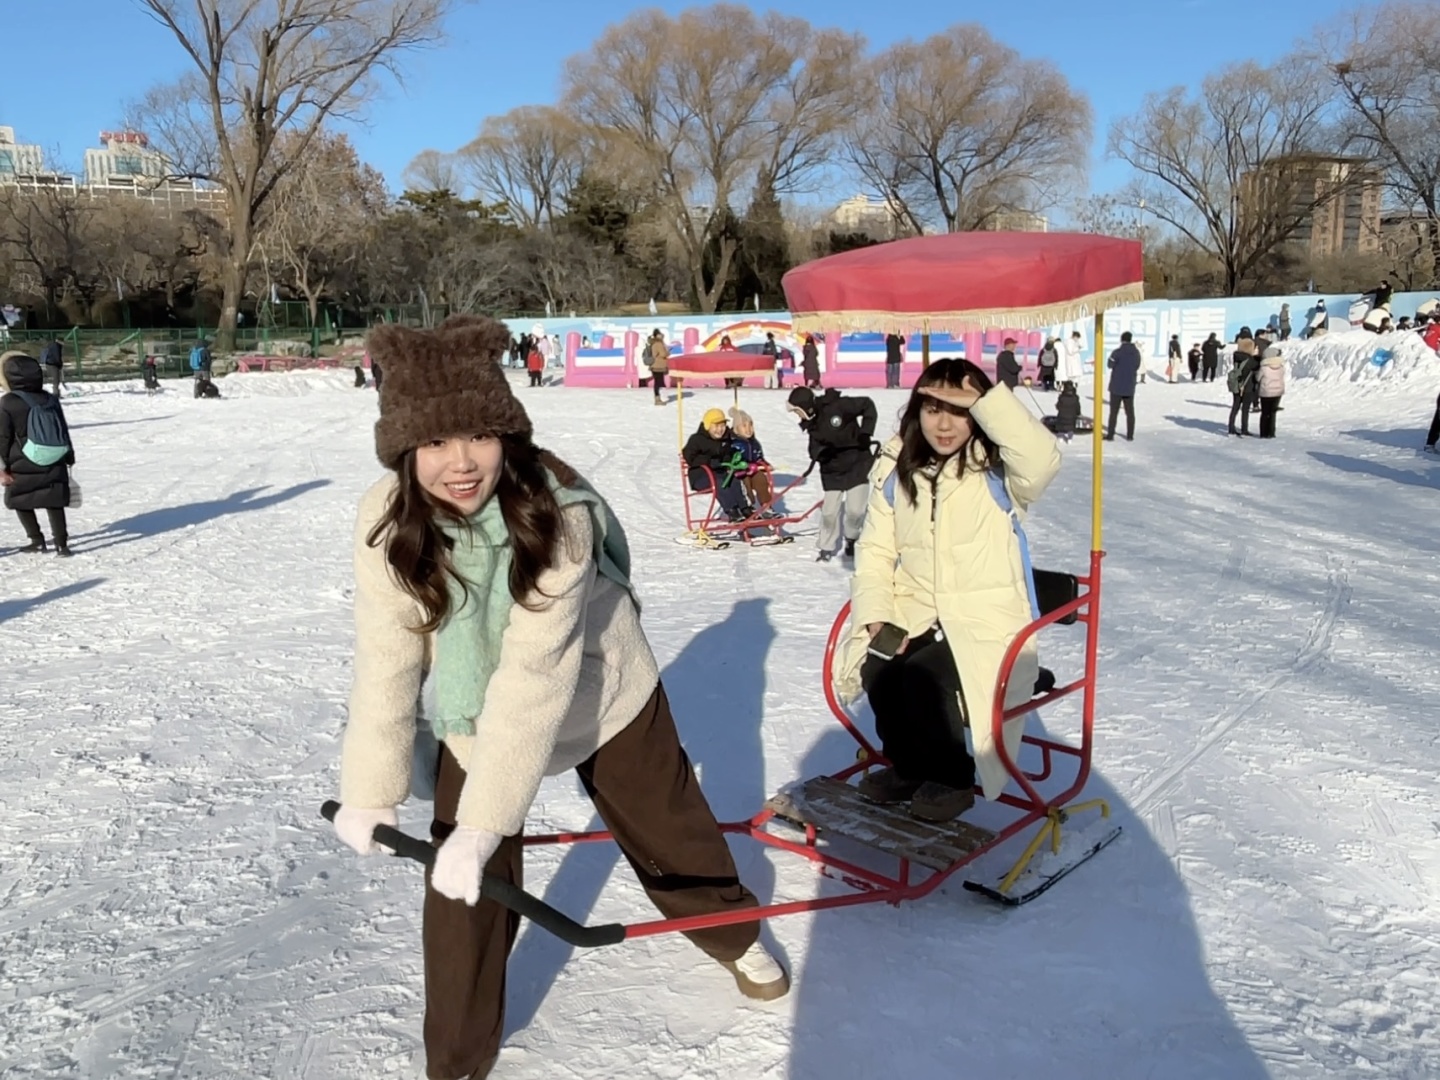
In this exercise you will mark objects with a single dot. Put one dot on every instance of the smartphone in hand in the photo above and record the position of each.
(887, 641)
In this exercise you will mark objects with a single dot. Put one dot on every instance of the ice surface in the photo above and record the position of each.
(174, 907)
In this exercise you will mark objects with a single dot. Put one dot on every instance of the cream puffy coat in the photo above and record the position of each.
(572, 675)
(962, 568)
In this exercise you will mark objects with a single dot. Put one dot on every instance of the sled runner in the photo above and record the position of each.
(1013, 279)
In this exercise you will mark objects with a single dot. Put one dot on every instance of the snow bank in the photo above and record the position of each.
(1358, 356)
(287, 383)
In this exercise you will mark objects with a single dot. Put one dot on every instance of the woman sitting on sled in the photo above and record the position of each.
(939, 559)
(490, 568)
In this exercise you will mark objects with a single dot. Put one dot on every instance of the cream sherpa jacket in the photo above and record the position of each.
(571, 676)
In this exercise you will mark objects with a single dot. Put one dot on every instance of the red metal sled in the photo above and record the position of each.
(710, 528)
(920, 872)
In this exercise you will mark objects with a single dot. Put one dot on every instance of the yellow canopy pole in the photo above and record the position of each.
(925, 349)
(680, 413)
(1097, 469)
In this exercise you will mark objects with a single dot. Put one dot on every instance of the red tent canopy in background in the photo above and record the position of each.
(965, 281)
(722, 364)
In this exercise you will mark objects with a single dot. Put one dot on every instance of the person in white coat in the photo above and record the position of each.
(1272, 389)
(939, 559)
(490, 572)
(1072, 370)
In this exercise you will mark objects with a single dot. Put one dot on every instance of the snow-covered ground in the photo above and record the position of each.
(172, 906)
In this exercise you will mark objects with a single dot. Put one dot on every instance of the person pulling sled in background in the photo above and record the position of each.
(842, 445)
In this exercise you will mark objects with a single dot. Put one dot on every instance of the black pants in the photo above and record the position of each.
(1209, 369)
(1128, 401)
(1047, 378)
(1434, 426)
(59, 531)
(916, 701)
(537, 378)
(645, 791)
(1194, 370)
(1240, 405)
(1269, 406)
(731, 497)
(657, 383)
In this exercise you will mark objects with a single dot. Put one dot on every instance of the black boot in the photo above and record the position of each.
(62, 548)
(849, 549)
(36, 546)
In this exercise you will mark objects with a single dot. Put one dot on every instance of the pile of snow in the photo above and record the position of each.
(1357, 356)
(286, 383)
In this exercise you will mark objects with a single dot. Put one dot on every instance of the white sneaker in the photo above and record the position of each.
(758, 974)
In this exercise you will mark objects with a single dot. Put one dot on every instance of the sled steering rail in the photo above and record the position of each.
(922, 866)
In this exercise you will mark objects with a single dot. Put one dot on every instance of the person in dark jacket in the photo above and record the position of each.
(28, 486)
(810, 362)
(1193, 359)
(52, 360)
(894, 345)
(1048, 361)
(1210, 357)
(1124, 365)
(1007, 368)
(1067, 411)
(1244, 389)
(842, 440)
(710, 448)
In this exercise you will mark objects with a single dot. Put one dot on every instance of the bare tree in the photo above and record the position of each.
(528, 159)
(314, 223)
(1384, 63)
(695, 108)
(49, 234)
(264, 68)
(1234, 168)
(432, 170)
(959, 128)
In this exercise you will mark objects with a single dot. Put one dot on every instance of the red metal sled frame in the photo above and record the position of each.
(870, 886)
(717, 526)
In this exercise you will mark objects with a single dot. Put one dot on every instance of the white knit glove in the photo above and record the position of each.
(460, 862)
(356, 827)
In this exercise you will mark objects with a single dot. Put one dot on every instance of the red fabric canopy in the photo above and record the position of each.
(724, 364)
(965, 281)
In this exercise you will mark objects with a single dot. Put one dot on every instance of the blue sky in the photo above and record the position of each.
(71, 65)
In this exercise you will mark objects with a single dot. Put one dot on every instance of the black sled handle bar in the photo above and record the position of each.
(524, 904)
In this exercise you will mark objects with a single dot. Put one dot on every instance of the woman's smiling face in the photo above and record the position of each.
(461, 471)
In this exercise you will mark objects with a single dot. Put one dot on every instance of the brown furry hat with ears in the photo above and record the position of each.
(442, 382)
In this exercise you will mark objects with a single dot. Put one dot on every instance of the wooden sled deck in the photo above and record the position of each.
(835, 807)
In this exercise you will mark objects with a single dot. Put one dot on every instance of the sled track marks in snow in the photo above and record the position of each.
(1315, 646)
(1229, 574)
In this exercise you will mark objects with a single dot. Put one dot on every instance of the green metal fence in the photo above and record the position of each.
(107, 355)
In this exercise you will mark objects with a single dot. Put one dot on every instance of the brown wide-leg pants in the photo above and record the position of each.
(645, 791)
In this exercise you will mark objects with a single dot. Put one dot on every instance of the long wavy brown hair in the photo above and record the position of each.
(979, 451)
(418, 549)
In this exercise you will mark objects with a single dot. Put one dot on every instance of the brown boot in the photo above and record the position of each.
(885, 787)
(936, 802)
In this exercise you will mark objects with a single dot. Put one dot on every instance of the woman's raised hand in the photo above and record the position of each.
(963, 397)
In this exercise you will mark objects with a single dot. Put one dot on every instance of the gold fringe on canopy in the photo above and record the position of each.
(681, 374)
(958, 322)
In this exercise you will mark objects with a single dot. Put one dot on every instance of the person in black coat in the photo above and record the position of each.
(842, 440)
(30, 487)
(1210, 358)
(1007, 368)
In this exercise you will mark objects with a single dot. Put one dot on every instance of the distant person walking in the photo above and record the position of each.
(1124, 365)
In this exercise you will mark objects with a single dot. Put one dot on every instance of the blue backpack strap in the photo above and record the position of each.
(996, 480)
